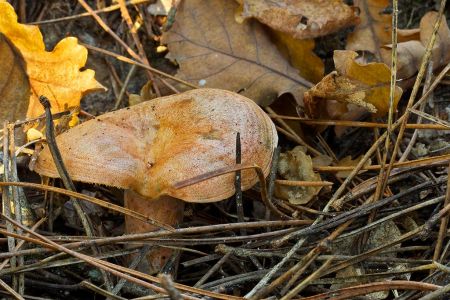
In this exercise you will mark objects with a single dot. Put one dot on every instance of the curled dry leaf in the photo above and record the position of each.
(153, 145)
(302, 19)
(297, 165)
(349, 162)
(213, 50)
(14, 83)
(55, 74)
(441, 49)
(410, 53)
(364, 85)
(409, 57)
(375, 28)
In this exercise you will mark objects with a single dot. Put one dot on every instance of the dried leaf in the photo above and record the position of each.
(145, 94)
(349, 162)
(409, 57)
(410, 53)
(55, 74)
(405, 35)
(441, 49)
(213, 50)
(301, 56)
(375, 28)
(302, 19)
(14, 84)
(297, 165)
(153, 145)
(364, 85)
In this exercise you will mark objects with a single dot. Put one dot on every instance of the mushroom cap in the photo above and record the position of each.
(153, 145)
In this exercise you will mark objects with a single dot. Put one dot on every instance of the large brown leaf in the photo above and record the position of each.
(14, 84)
(375, 28)
(55, 74)
(213, 50)
(301, 19)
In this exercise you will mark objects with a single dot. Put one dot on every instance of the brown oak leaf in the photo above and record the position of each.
(213, 50)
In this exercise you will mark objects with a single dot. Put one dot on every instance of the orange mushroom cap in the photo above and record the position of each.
(151, 146)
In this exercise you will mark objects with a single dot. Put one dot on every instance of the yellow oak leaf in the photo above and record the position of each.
(55, 74)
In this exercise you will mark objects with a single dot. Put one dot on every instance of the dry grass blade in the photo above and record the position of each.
(355, 123)
(87, 14)
(381, 180)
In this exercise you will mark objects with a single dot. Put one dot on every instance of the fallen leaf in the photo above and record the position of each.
(410, 53)
(405, 35)
(375, 28)
(14, 83)
(213, 50)
(55, 74)
(301, 19)
(441, 49)
(145, 94)
(349, 162)
(364, 85)
(301, 55)
(409, 57)
(297, 165)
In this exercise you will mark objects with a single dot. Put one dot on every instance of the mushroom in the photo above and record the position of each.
(147, 148)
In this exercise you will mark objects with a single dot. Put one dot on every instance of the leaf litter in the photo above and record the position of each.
(310, 229)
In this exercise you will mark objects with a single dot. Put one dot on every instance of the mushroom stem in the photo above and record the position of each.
(165, 209)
